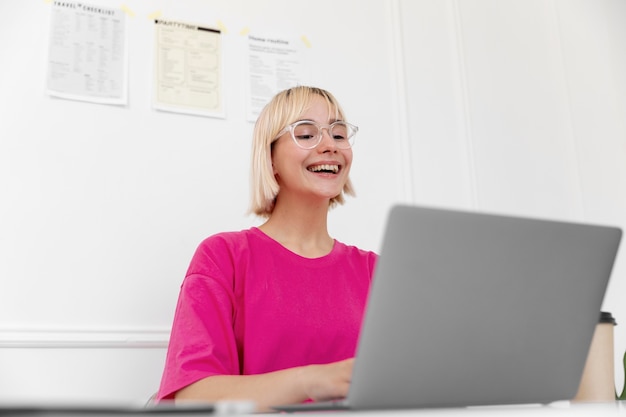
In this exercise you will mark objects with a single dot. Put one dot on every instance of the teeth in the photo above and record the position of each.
(318, 168)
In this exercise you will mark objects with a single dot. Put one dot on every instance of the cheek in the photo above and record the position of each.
(348, 158)
(276, 159)
(279, 164)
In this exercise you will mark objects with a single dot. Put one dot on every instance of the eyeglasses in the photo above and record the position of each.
(307, 134)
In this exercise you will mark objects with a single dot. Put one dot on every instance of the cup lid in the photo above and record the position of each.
(606, 317)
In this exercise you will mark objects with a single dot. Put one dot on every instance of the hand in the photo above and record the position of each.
(327, 382)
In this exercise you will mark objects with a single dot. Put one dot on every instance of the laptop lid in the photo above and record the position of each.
(479, 309)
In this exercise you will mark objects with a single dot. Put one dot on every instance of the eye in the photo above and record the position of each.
(339, 131)
(305, 131)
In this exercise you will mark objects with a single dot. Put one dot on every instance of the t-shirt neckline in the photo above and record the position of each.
(330, 255)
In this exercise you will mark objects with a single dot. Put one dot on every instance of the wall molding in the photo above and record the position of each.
(74, 338)
(569, 126)
(400, 113)
(461, 67)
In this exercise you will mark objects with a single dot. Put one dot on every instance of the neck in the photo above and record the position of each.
(300, 226)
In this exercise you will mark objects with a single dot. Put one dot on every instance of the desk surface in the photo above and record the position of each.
(561, 409)
(557, 409)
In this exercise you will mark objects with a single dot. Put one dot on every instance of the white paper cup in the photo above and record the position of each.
(598, 381)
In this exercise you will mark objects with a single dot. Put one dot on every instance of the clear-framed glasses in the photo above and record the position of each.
(307, 134)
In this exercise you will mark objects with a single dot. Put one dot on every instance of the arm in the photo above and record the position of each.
(294, 385)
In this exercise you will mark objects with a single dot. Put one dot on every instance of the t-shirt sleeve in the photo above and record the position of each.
(202, 341)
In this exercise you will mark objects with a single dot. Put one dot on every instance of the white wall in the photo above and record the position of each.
(520, 107)
(103, 206)
(510, 106)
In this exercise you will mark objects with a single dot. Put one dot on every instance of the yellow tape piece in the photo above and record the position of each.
(154, 15)
(221, 26)
(47, 1)
(127, 10)
(244, 31)
(306, 41)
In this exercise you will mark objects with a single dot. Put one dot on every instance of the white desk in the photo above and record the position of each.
(564, 409)
(557, 409)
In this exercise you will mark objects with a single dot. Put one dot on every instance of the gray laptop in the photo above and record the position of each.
(470, 309)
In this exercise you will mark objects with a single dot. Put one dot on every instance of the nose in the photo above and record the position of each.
(327, 144)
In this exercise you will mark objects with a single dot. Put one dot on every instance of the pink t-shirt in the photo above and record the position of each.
(249, 306)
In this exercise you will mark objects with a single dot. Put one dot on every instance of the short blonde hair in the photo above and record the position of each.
(285, 108)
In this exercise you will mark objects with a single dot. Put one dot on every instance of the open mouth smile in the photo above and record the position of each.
(325, 168)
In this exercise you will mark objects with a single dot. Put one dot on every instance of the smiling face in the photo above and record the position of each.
(321, 172)
(284, 109)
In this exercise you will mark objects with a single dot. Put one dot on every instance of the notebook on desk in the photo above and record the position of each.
(470, 309)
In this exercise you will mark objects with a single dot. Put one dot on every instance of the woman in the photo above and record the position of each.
(272, 314)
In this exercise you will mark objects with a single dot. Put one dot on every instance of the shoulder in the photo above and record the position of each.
(356, 254)
(231, 241)
(231, 237)
(352, 250)
(219, 252)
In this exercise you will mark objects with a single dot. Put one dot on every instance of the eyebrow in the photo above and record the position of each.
(330, 122)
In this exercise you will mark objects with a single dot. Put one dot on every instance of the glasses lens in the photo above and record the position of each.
(306, 134)
(343, 133)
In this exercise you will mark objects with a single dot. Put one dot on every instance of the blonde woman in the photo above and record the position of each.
(272, 313)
